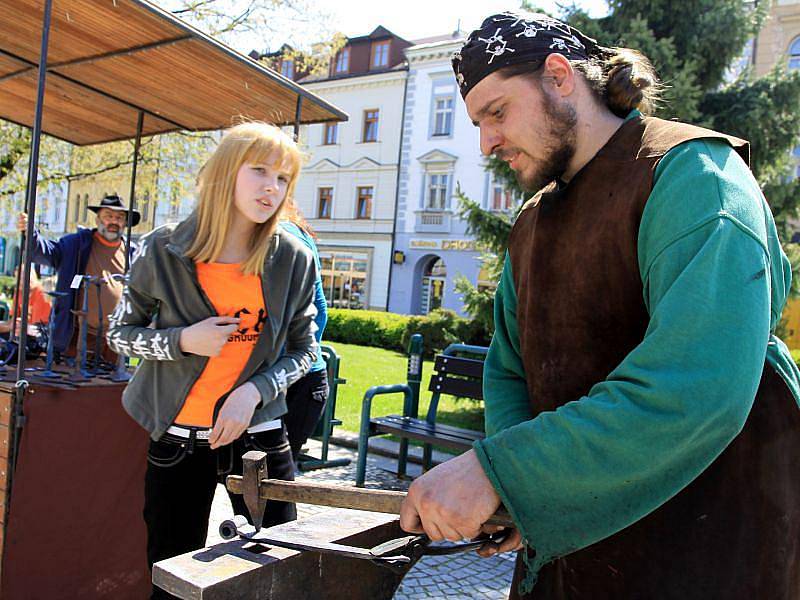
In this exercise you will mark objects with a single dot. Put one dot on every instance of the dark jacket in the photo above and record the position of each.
(163, 295)
(69, 256)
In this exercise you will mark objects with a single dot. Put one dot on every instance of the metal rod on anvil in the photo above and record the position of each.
(320, 494)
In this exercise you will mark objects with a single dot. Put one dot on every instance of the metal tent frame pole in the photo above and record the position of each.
(136, 146)
(298, 112)
(17, 417)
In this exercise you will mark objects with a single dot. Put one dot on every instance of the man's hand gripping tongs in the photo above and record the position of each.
(398, 554)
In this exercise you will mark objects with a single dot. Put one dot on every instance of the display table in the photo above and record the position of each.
(75, 526)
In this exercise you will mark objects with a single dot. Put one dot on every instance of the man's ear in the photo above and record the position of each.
(559, 72)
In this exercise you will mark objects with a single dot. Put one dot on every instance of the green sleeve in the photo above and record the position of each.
(505, 393)
(583, 472)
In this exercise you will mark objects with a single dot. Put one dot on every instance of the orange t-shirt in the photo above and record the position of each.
(38, 306)
(232, 294)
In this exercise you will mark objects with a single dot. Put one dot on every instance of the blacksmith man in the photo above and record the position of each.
(641, 416)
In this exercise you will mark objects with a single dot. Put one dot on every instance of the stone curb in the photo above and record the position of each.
(385, 447)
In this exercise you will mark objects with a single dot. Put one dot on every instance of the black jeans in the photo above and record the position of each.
(305, 403)
(179, 488)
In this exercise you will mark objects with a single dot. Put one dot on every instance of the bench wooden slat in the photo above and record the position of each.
(465, 388)
(442, 435)
(458, 365)
(423, 425)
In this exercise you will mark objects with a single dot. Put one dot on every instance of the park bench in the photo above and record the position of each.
(327, 421)
(454, 374)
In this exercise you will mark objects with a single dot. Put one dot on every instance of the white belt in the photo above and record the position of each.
(204, 434)
(266, 426)
(186, 432)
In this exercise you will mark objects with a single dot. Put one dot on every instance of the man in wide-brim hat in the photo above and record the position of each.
(98, 252)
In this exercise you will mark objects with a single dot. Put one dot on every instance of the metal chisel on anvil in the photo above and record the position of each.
(336, 554)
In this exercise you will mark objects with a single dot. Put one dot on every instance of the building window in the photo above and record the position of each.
(324, 203)
(85, 211)
(794, 54)
(41, 220)
(380, 55)
(287, 68)
(344, 278)
(364, 203)
(370, 126)
(342, 61)
(436, 198)
(502, 198)
(330, 134)
(443, 116)
(76, 210)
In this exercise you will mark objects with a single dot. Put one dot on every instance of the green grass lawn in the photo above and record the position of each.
(364, 367)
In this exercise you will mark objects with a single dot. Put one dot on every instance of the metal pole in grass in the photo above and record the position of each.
(414, 378)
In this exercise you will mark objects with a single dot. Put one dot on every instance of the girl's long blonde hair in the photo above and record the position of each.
(250, 142)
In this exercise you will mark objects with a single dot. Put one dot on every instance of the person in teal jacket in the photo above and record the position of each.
(306, 398)
(642, 423)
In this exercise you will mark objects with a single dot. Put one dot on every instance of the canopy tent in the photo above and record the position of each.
(108, 60)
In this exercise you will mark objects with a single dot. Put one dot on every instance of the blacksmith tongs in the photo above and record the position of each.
(397, 554)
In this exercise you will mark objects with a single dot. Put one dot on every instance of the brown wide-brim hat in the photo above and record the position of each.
(114, 202)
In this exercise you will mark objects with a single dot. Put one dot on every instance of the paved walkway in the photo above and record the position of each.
(457, 577)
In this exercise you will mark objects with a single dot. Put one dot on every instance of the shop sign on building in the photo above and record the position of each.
(459, 245)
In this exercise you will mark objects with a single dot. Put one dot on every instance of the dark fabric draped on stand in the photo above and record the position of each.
(75, 525)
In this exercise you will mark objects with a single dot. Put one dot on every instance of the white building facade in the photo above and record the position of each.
(440, 154)
(347, 191)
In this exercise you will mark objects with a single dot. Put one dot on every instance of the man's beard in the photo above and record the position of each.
(111, 236)
(561, 121)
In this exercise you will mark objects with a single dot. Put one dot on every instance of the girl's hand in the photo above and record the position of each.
(235, 415)
(208, 336)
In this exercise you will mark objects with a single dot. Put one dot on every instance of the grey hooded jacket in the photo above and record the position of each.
(163, 295)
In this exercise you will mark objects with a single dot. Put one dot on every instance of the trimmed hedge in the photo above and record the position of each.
(439, 329)
(366, 328)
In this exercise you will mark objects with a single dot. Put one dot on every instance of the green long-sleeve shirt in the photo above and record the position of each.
(715, 282)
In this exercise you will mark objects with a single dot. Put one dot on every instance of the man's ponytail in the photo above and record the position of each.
(631, 82)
